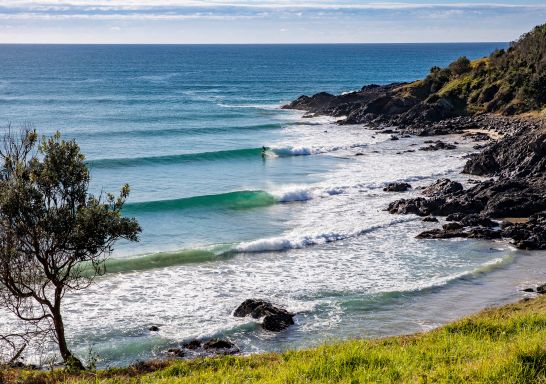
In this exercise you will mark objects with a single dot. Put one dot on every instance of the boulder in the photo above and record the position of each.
(192, 345)
(438, 146)
(257, 309)
(452, 226)
(274, 318)
(442, 187)
(277, 322)
(397, 187)
(418, 206)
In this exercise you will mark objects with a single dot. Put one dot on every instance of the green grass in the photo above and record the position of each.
(501, 345)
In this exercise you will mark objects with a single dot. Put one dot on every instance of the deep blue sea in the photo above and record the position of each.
(303, 225)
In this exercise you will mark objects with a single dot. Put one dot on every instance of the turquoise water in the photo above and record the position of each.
(304, 226)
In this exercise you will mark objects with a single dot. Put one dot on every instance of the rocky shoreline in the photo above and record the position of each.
(511, 204)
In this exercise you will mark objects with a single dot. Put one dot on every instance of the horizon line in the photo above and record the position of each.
(211, 44)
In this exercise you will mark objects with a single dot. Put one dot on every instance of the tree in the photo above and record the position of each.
(54, 235)
(460, 66)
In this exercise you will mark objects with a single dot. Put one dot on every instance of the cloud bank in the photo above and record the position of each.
(219, 21)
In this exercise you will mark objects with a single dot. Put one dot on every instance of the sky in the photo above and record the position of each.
(268, 21)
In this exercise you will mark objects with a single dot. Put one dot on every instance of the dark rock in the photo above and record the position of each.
(153, 328)
(528, 290)
(394, 138)
(277, 322)
(258, 308)
(474, 220)
(474, 233)
(438, 146)
(522, 153)
(359, 154)
(541, 289)
(530, 235)
(430, 219)
(176, 352)
(455, 217)
(452, 226)
(442, 234)
(274, 318)
(418, 206)
(193, 345)
(442, 187)
(397, 187)
(218, 344)
(483, 233)
(477, 136)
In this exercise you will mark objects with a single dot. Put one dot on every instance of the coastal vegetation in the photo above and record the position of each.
(509, 81)
(54, 236)
(498, 345)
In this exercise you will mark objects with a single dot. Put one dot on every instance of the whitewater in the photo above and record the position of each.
(301, 223)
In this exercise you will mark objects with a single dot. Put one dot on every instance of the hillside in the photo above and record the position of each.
(509, 82)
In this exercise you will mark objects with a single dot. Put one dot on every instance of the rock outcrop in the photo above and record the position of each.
(274, 318)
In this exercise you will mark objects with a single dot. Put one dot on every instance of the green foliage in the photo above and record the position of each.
(460, 66)
(54, 235)
(508, 81)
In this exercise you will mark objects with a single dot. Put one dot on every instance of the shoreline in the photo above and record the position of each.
(511, 152)
(214, 354)
(468, 349)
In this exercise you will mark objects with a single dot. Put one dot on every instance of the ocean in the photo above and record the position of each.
(304, 226)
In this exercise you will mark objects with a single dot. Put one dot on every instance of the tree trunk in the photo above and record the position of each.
(68, 358)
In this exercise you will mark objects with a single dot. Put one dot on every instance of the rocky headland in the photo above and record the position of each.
(498, 102)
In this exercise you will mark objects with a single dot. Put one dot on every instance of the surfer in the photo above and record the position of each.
(264, 150)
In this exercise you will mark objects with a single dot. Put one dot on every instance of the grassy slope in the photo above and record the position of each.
(506, 345)
(511, 81)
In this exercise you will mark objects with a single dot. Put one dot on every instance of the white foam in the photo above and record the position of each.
(276, 244)
(307, 151)
(268, 107)
(308, 193)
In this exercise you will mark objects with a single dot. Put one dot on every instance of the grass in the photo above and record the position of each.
(500, 345)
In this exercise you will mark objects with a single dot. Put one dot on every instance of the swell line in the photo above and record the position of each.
(274, 244)
(173, 159)
(229, 200)
(180, 131)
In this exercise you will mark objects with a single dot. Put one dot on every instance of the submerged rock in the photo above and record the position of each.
(450, 233)
(430, 219)
(176, 352)
(218, 344)
(437, 146)
(153, 328)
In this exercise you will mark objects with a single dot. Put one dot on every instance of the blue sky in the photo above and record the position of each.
(268, 21)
